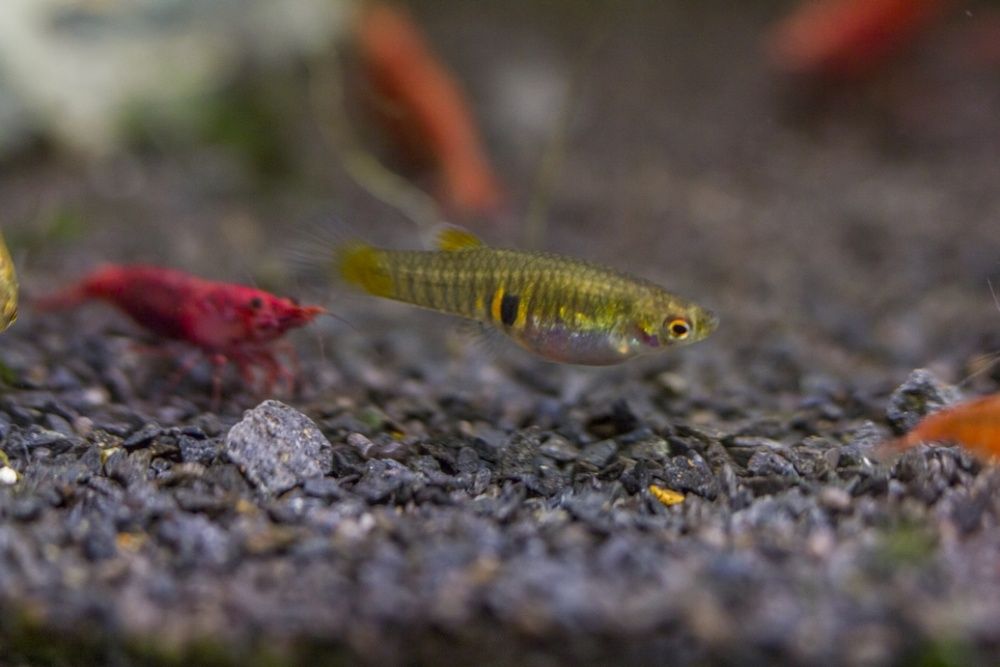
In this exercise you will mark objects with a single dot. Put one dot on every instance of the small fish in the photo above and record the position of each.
(973, 424)
(8, 287)
(560, 308)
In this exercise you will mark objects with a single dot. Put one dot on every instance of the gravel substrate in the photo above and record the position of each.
(410, 528)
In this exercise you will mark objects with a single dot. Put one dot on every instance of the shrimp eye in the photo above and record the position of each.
(294, 300)
(256, 303)
(678, 329)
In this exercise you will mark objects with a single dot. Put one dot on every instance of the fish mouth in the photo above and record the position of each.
(708, 322)
(8, 318)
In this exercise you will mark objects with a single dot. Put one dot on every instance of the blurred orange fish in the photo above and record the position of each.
(975, 425)
(848, 39)
(428, 111)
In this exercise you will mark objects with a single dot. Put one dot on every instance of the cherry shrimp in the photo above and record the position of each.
(226, 322)
(973, 424)
(429, 114)
(848, 39)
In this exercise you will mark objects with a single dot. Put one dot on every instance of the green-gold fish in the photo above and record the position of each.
(560, 308)
(8, 287)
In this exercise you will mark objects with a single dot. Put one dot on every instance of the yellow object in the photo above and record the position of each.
(8, 287)
(668, 497)
(455, 238)
(560, 308)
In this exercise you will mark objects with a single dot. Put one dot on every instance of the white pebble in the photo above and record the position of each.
(8, 476)
(94, 396)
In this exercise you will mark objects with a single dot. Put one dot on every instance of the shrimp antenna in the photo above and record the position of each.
(327, 313)
(320, 345)
(989, 360)
(553, 154)
(326, 88)
(549, 167)
(249, 277)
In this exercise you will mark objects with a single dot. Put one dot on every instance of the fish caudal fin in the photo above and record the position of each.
(361, 265)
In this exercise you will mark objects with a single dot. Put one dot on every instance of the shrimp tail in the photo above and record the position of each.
(362, 265)
(889, 449)
(98, 284)
(63, 300)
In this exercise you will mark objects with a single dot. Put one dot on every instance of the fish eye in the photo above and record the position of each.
(678, 328)
(256, 303)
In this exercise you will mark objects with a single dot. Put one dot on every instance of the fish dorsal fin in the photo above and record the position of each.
(452, 239)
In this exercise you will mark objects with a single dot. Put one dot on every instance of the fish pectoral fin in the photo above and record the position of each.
(450, 238)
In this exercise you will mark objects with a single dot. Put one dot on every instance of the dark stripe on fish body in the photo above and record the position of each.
(455, 293)
(453, 284)
(459, 287)
(508, 309)
(420, 293)
(404, 283)
(442, 289)
(432, 290)
(450, 279)
(527, 298)
(487, 287)
(469, 297)
(446, 291)
(484, 290)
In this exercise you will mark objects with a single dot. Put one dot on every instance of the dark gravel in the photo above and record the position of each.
(809, 551)
(421, 500)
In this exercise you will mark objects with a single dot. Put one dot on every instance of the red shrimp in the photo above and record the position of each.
(973, 424)
(846, 39)
(431, 118)
(226, 322)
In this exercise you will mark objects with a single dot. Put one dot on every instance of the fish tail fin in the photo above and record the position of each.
(362, 265)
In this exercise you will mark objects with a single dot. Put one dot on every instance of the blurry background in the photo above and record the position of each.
(849, 220)
(824, 176)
